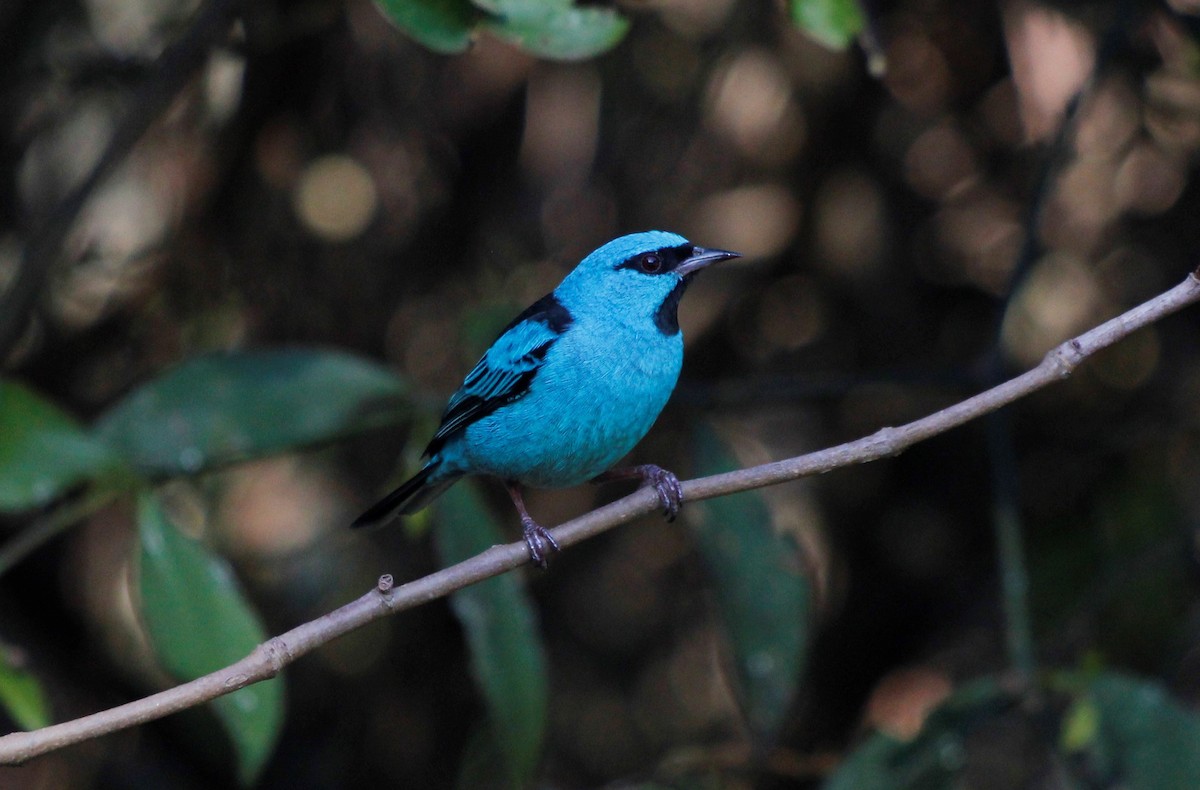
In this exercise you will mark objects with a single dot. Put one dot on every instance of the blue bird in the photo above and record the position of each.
(570, 386)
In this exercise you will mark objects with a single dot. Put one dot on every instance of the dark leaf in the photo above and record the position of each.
(44, 451)
(231, 406)
(501, 628)
(21, 695)
(555, 29)
(931, 761)
(199, 622)
(760, 587)
(1127, 732)
(442, 25)
(834, 23)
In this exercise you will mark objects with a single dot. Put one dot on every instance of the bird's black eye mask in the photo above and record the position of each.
(659, 261)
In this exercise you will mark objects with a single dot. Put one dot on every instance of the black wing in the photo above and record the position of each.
(507, 369)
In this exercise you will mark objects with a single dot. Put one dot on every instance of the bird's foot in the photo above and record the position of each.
(539, 540)
(664, 483)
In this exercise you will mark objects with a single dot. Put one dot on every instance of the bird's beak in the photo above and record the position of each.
(702, 257)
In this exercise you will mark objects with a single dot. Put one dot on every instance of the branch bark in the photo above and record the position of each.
(269, 658)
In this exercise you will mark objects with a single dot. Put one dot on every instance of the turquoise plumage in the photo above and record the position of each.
(570, 386)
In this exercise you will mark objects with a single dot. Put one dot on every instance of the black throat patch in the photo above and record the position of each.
(666, 317)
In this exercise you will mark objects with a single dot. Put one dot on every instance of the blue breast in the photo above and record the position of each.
(602, 386)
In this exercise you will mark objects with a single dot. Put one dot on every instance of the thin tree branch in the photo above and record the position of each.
(1006, 514)
(269, 658)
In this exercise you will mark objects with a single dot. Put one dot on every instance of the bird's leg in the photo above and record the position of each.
(664, 483)
(537, 538)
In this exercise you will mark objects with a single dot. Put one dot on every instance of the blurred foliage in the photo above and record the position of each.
(935, 759)
(222, 408)
(555, 29)
(1116, 731)
(197, 622)
(501, 628)
(326, 180)
(750, 564)
(1127, 732)
(45, 452)
(562, 30)
(442, 25)
(21, 695)
(204, 413)
(834, 23)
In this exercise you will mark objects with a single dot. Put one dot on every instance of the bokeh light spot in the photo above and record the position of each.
(1051, 56)
(335, 198)
(1057, 300)
(757, 221)
(750, 100)
(850, 223)
(1148, 180)
(940, 163)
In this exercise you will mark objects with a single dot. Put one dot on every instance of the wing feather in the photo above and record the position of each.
(507, 369)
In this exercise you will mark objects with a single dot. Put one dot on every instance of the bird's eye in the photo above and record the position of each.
(650, 263)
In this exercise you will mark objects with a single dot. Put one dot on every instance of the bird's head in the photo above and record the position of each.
(642, 274)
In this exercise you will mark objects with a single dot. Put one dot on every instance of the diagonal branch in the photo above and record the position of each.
(272, 656)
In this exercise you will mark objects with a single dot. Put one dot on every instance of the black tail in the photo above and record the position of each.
(412, 495)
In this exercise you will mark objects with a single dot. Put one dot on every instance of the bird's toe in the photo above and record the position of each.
(540, 543)
(666, 485)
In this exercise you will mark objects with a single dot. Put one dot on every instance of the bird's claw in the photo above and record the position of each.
(540, 542)
(666, 485)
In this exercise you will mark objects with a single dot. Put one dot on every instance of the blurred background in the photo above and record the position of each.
(306, 175)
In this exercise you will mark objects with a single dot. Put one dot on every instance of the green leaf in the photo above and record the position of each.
(760, 587)
(1137, 736)
(1080, 725)
(555, 29)
(227, 407)
(199, 622)
(44, 451)
(931, 761)
(834, 23)
(442, 25)
(501, 629)
(21, 695)
(1118, 732)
